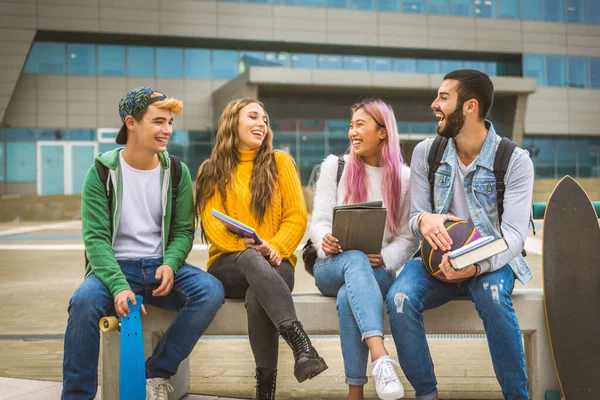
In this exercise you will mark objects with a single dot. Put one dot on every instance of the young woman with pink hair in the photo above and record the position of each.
(373, 171)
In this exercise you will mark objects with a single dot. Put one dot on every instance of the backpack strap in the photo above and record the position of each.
(175, 167)
(340, 170)
(103, 175)
(501, 160)
(434, 159)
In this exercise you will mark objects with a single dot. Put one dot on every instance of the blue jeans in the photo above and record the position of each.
(196, 296)
(415, 290)
(360, 290)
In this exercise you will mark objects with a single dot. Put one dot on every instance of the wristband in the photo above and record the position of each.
(420, 218)
(477, 269)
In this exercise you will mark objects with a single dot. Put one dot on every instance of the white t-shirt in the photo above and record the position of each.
(140, 222)
(458, 205)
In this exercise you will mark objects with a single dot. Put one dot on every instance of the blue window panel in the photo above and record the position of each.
(554, 10)
(464, 8)
(337, 126)
(169, 62)
(304, 60)
(587, 159)
(196, 64)
(510, 9)
(2, 162)
(258, 1)
(364, 5)
(595, 72)
(313, 3)
(408, 65)
(47, 58)
(594, 12)
(20, 134)
(140, 61)
(427, 128)
(330, 61)
(476, 65)
(565, 160)
(390, 5)
(533, 10)
(356, 63)
(225, 64)
(20, 162)
(287, 2)
(428, 66)
(533, 67)
(82, 134)
(414, 6)
(403, 127)
(252, 58)
(441, 7)
(556, 71)
(339, 3)
(451, 65)
(104, 147)
(278, 59)
(81, 59)
(576, 11)
(578, 72)
(111, 60)
(486, 8)
(52, 134)
(383, 64)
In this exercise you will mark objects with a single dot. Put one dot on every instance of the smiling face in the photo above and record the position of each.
(252, 127)
(448, 110)
(366, 136)
(152, 132)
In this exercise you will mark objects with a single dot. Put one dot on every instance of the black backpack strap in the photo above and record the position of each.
(501, 160)
(103, 175)
(434, 159)
(175, 167)
(340, 170)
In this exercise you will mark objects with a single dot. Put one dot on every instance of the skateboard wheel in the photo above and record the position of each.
(108, 324)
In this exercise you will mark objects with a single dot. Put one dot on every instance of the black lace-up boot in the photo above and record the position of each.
(308, 364)
(265, 385)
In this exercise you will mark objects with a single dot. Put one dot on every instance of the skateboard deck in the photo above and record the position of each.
(571, 275)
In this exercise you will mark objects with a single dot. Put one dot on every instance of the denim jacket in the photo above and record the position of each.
(480, 190)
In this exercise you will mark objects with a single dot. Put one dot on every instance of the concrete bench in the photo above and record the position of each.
(319, 316)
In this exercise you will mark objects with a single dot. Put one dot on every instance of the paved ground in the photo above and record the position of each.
(42, 264)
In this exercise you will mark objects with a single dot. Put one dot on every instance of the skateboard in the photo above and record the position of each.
(132, 366)
(571, 275)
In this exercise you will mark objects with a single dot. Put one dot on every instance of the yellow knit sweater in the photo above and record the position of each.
(284, 222)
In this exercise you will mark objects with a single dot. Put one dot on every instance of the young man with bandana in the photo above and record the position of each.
(465, 189)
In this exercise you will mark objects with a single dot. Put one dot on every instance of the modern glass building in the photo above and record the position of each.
(66, 63)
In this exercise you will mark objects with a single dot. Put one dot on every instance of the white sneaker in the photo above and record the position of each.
(158, 388)
(387, 383)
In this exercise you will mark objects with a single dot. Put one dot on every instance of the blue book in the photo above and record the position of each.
(235, 226)
(476, 251)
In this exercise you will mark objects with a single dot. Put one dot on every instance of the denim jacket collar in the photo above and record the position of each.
(486, 156)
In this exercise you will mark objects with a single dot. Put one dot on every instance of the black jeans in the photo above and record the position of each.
(268, 296)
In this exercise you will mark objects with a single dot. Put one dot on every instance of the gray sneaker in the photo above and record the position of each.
(158, 388)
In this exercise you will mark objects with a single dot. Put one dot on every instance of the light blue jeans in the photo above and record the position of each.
(415, 290)
(360, 290)
(196, 296)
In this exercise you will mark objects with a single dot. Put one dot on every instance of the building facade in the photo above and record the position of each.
(64, 65)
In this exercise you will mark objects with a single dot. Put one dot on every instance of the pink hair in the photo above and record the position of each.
(390, 158)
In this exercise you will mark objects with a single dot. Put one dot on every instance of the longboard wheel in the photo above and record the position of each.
(108, 324)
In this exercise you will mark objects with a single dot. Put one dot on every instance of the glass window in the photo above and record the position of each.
(542, 155)
(140, 61)
(556, 71)
(465, 8)
(414, 6)
(201, 136)
(533, 9)
(403, 127)
(20, 134)
(508, 69)
(576, 11)
(509, 9)
(278, 59)
(47, 58)
(405, 65)
(593, 11)
(252, 58)
(52, 134)
(225, 64)
(304, 60)
(313, 3)
(356, 63)
(380, 64)
(390, 5)
(111, 60)
(595, 72)
(196, 64)
(554, 10)
(81, 59)
(330, 61)
(428, 66)
(258, 1)
(169, 62)
(533, 67)
(578, 72)
(486, 8)
(365, 5)
(339, 3)
(82, 134)
(20, 162)
(428, 128)
(565, 160)
(1, 160)
(438, 7)
(477, 65)
(287, 2)
(451, 65)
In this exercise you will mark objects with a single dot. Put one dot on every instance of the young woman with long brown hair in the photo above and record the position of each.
(245, 179)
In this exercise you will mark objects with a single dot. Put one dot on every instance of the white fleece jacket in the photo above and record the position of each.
(396, 250)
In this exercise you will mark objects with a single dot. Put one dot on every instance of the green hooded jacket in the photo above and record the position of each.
(98, 237)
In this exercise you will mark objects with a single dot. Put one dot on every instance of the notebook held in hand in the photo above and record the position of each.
(360, 226)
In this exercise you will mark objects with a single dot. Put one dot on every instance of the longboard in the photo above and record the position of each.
(132, 368)
(571, 275)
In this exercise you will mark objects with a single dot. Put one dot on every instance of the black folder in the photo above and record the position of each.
(360, 226)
